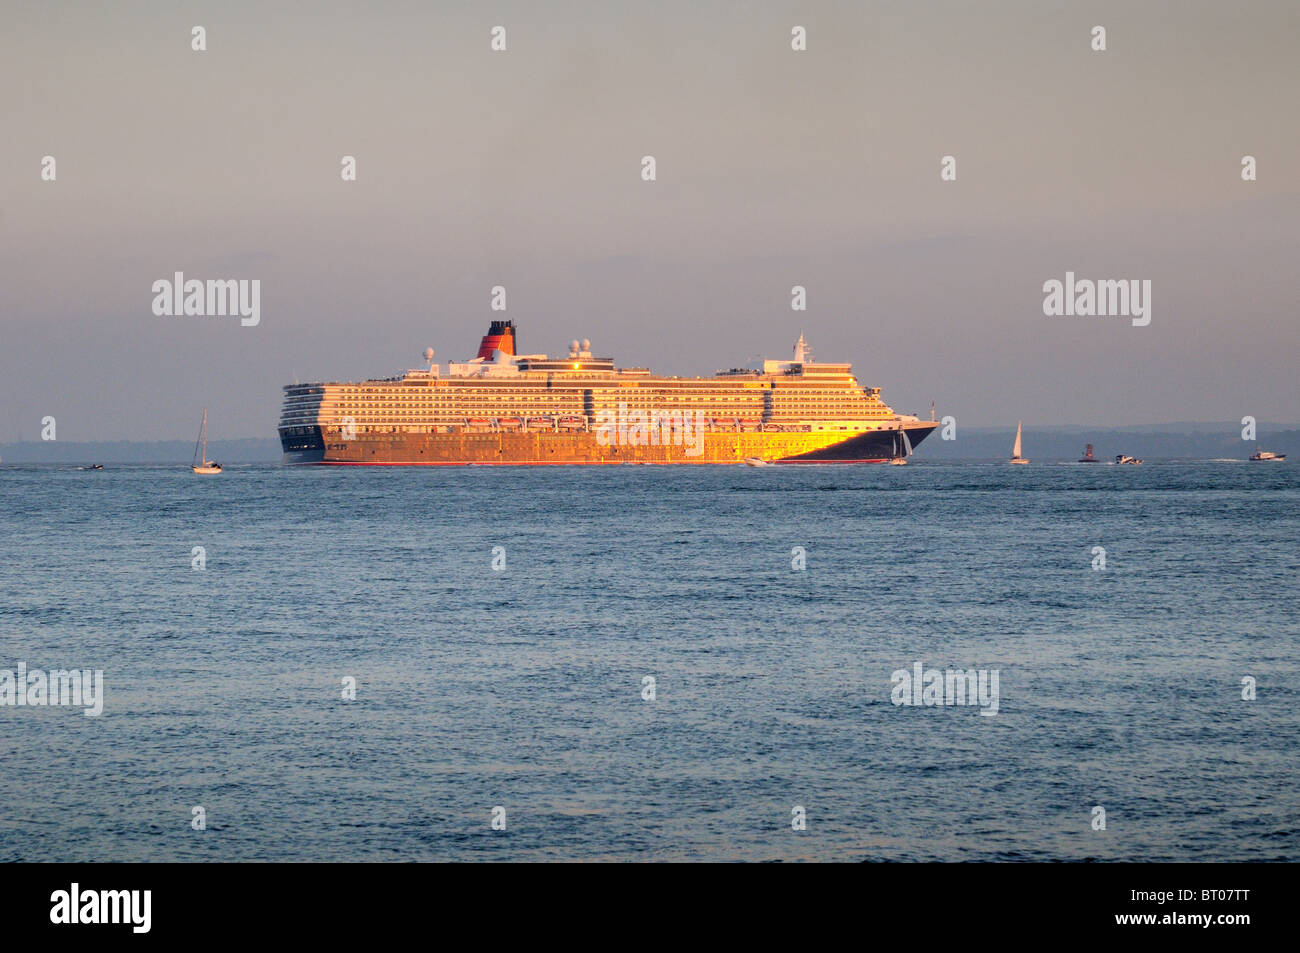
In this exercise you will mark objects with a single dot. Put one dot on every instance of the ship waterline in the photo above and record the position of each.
(507, 409)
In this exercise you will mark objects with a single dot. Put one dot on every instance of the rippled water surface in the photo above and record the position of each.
(522, 688)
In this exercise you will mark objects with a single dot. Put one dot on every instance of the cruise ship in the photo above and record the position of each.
(501, 407)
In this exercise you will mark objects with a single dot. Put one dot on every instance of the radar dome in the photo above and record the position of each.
(428, 354)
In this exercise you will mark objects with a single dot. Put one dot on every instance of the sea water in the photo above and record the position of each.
(501, 626)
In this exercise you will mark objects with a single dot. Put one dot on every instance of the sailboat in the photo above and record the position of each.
(201, 462)
(1015, 451)
(900, 459)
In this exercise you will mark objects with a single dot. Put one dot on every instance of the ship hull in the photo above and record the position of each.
(327, 446)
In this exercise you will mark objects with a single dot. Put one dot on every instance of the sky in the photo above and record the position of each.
(774, 168)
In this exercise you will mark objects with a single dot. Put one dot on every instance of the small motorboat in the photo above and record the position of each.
(96, 466)
(756, 462)
(1124, 458)
(1267, 456)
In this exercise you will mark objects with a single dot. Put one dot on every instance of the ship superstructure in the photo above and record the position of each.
(507, 408)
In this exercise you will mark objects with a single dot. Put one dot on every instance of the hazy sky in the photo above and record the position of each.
(775, 168)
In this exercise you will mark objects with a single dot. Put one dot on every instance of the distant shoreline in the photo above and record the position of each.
(1187, 441)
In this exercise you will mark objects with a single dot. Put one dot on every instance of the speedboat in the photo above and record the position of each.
(1125, 458)
(1267, 456)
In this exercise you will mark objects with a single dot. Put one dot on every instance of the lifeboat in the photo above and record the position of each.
(510, 423)
(541, 423)
(479, 423)
(572, 423)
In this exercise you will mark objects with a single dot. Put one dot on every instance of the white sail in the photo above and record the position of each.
(1015, 451)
